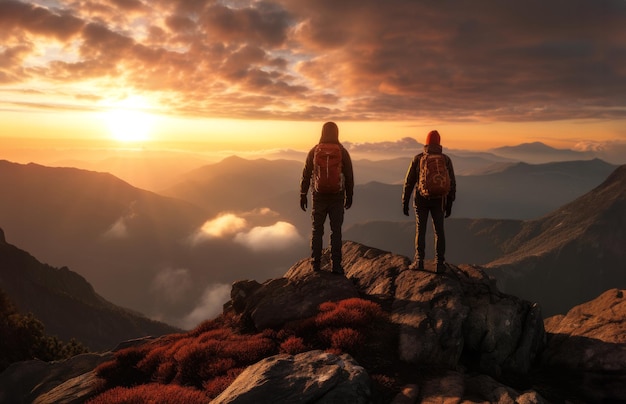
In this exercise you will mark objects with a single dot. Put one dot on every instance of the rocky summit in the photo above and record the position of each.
(450, 337)
(439, 317)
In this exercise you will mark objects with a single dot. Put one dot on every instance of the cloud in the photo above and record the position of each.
(227, 224)
(210, 305)
(172, 284)
(406, 145)
(355, 60)
(279, 236)
(262, 212)
(613, 151)
(120, 228)
(117, 230)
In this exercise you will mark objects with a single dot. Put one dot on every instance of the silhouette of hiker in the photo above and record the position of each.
(424, 202)
(328, 172)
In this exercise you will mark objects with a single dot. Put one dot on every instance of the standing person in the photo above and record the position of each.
(328, 172)
(435, 192)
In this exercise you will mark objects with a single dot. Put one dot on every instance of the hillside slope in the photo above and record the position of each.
(573, 254)
(67, 304)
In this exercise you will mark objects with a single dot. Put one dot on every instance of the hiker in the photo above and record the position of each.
(328, 171)
(432, 175)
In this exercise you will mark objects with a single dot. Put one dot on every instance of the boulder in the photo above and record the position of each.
(592, 336)
(588, 345)
(279, 301)
(36, 381)
(455, 387)
(312, 377)
(66, 381)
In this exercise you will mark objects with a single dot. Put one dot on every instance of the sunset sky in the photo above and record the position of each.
(266, 74)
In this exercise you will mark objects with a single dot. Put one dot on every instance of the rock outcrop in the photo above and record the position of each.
(70, 381)
(310, 377)
(439, 317)
(589, 345)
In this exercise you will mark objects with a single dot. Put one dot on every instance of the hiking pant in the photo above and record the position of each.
(330, 205)
(435, 208)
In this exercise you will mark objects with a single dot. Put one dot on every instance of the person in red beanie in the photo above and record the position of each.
(437, 203)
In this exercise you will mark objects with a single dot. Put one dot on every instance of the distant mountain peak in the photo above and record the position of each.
(527, 147)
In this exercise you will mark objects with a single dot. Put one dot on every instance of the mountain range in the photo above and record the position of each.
(156, 170)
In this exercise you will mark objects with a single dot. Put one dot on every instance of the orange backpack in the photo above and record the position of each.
(434, 178)
(327, 168)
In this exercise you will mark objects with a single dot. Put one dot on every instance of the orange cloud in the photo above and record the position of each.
(295, 59)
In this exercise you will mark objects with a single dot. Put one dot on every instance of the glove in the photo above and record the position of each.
(448, 209)
(405, 209)
(303, 202)
(348, 202)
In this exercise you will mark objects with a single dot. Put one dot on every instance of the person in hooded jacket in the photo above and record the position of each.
(437, 207)
(327, 204)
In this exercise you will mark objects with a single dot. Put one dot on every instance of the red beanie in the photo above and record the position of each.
(433, 137)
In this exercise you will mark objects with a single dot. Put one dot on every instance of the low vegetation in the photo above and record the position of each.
(197, 366)
(23, 337)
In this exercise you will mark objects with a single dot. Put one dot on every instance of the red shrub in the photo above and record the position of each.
(269, 333)
(368, 309)
(211, 356)
(334, 351)
(327, 306)
(153, 359)
(123, 370)
(218, 334)
(191, 361)
(249, 349)
(293, 345)
(348, 313)
(165, 373)
(218, 367)
(284, 333)
(346, 339)
(151, 393)
(217, 385)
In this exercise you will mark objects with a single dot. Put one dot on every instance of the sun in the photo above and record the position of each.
(127, 121)
(127, 125)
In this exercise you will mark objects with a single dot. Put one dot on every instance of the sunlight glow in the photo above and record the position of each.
(128, 121)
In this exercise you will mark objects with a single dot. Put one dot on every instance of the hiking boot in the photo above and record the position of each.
(338, 269)
(417, 265)
(315, 266)
(441, 267)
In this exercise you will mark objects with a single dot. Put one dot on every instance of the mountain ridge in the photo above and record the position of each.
(67, 304)
(579, 245)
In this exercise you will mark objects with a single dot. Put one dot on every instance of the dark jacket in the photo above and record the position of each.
(346, 169)
(413, 174)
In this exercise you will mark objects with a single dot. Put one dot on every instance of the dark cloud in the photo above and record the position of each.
(30, 18)
(368, 59)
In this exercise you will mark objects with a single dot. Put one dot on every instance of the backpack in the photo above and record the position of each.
(434, 178)
(327, 168)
